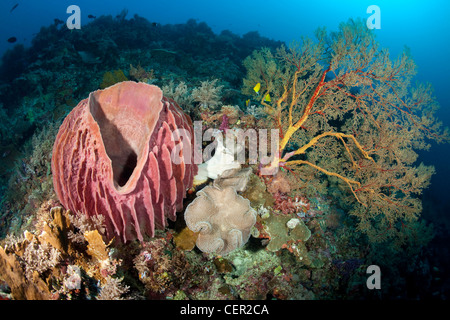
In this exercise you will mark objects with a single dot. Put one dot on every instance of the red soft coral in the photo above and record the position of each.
(289, 205)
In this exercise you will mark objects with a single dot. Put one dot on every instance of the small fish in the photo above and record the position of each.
(267, 98)
(6, 153)
(58, 21)
(12, 39)
(12, 9)
(91, 16)
(89, 58)
(247, 102)
(154, 24)
(257, 87)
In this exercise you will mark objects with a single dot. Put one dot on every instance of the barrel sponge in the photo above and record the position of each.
(113, 157)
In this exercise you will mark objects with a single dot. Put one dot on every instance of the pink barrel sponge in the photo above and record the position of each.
(113, 157)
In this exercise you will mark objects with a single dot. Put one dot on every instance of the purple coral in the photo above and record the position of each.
(224, 126)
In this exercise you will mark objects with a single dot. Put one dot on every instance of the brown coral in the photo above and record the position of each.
(22, 288)
(222, 217)
(285, 232)
(140, 74)
(185, 239)
(163, 269)
(112, 77)
(279, 184)
(281, 232)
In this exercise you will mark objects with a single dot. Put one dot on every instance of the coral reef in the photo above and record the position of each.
(288, 236)
(180, 93)
(139, 74)
(49, 265)
(160, 271)
(257, 192)
(287, 233)
(207, 94)
(228, 116)
(256, 276)
(22, 286)
(288, 205)
(113, 289)
(37, 83)
(112, 157)
(279, 184)
(30, 184)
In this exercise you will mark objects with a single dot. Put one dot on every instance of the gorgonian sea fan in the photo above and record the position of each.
(112, 157)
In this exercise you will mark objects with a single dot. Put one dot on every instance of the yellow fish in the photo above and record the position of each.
(247, 102)
(257, 87)
(267, 98)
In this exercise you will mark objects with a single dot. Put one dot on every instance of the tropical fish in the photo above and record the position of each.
(12, 39)
(88, 57)
(91, 16)
(247, 102)
(154, 24)
(15, 6)
(58, 21)
(257, 87)
(267, 98)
